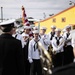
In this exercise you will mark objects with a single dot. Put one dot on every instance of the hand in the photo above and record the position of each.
(30, 61)
(54, 52)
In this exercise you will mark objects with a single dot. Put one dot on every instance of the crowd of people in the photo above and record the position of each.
(19, 52)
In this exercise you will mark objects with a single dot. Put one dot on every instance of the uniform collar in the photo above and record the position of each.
(36, 40)
(57, 36)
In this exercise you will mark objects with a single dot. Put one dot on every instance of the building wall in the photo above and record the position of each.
(68, 14)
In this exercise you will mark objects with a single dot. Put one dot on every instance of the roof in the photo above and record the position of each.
(58, 13)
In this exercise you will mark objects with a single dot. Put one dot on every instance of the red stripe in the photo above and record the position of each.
(25, 20)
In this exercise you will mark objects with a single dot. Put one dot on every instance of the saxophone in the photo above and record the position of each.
(45, 58)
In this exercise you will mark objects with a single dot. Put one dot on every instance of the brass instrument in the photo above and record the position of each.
(45, 58)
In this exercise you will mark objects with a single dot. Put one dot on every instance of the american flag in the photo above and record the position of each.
(24, 17)
(25, 20)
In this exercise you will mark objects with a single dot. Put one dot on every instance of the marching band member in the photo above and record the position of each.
(57, 44)
(33, 54)
(44, 37)
(73, 45)
(17, 35)
(63, 31)
(35, 28)
(52, 33)
(68, 49)
(11, 55)
(27, 29)
(50, 37)
(42, 31)
(25, 51)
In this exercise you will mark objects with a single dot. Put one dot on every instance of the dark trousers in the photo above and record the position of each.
(37, 68)
(68, 55)
(57, 59)
(27, 67)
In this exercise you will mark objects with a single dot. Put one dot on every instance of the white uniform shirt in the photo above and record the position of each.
(73, 45)
(69, 37)
(73, 42)
(49, 36)
(58, 48)
(45, 41)
(33, 54)
(19, 37)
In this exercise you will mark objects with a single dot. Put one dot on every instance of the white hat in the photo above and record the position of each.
(8, 22)
(27, 27)
(43, 28)
(58, 30)
(68, 26)
(35, 28)
(53, 26)
(25, 35)
(64, 30)
(7, 26)
(35, 31)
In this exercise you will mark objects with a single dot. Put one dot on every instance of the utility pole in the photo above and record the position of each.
(44, 15)
(1, 14)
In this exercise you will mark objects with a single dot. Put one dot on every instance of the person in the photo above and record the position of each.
(57, 44)
(44, 37)
(34, 54)
(17, 35)
(27, 31)
(68, 69)
(11, 53)
(63, 31)
(68, 49)
(42, 31)
(35, 28)
(50, 38)
(25, 52)
(52, 33)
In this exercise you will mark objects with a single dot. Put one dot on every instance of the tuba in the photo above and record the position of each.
(46, 60)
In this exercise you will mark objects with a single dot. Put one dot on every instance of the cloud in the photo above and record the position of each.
(34, 8)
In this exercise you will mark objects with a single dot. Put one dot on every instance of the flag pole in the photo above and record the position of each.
(39, 26)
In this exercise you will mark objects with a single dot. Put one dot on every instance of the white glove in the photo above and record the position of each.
(30, 60)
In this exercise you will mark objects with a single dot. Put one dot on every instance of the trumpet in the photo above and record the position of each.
(45, 57)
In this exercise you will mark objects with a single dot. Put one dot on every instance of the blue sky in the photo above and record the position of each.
(34, 8)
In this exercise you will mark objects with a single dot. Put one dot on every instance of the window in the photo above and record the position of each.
(73, 26)
(54, 19)
(63, 19)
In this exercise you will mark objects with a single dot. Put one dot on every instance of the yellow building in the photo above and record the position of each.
(60, 20)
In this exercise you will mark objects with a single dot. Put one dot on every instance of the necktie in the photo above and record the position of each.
(68, 35)
(36, 45)
(52, 35)
(57, 40)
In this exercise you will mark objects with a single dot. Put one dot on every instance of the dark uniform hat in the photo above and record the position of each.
(6, 26)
